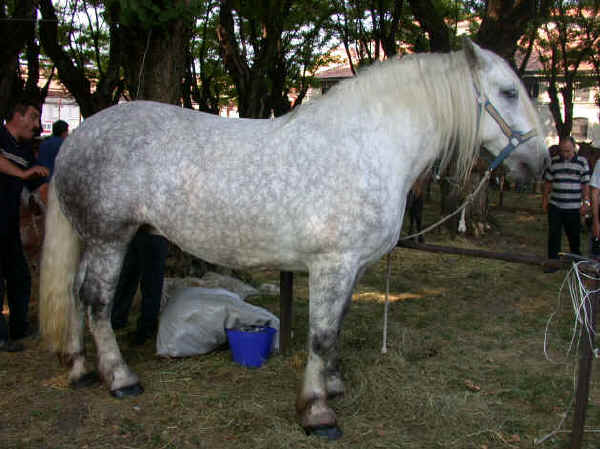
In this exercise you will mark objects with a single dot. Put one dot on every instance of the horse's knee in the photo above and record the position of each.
(323, 342)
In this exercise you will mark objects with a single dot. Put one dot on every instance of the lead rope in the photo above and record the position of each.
(387, 301)
(467, 201)
(515, 138)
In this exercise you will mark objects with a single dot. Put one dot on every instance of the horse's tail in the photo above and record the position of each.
(58, 309)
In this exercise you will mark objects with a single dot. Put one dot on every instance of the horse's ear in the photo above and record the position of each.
(474, 54)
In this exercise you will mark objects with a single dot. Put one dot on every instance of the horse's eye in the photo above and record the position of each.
(510, 93)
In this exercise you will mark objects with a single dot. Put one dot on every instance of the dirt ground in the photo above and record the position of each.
(465, 366)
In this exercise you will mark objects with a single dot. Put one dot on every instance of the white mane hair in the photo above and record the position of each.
(436, 89)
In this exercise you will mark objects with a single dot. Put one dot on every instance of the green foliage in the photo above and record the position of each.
(83, 32)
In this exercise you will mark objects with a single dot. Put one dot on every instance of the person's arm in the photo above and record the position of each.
(11, 169)
(546, 195)
(585, 203)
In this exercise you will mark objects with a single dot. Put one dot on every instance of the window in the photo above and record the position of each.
(533, 87)
(580, 128)
(582, 94)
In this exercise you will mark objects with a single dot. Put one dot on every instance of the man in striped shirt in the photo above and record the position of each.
(566, 196)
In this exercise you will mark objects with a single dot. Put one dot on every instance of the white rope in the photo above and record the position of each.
(467, 201)
(141, 74)
(580, 297)
(387, 302)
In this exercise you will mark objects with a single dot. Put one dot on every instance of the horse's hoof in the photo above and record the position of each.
(329, 432)
(87, 380)
(131, 390)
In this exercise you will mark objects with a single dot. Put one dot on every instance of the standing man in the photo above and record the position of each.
(566, 197)
(17, 169)
(144, 264)
(49, 150)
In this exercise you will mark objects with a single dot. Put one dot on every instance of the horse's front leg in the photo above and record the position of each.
(330, 289)
(97, 291)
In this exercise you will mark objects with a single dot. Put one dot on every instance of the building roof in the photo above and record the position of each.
(341, 71)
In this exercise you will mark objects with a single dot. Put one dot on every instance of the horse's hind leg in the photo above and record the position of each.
(79, 375)
(103, 263)
(330, 289)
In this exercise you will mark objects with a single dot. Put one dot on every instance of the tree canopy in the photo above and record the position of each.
(255, 52)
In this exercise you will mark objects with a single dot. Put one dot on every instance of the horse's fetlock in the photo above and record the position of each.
(315, 413)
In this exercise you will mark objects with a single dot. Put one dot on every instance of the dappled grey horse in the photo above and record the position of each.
(322, 190)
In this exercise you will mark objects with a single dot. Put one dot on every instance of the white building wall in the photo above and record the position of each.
(584, 107)
(59, 108)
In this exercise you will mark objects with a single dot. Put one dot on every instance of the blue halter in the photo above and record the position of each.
(515, 138)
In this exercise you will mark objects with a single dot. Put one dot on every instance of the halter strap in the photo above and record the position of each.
(515, 138)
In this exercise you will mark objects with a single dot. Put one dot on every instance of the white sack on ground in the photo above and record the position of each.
(194, 321)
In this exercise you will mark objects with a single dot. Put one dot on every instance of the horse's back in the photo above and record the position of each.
(239, 192)
(123, 157)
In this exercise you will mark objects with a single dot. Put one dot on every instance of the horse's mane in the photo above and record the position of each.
(437, 89)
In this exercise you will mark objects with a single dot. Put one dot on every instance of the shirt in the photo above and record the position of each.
(567, 178)
(48, 151)
(20, 154)
(595, 180)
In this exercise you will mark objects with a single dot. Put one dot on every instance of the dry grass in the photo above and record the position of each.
(465, 367)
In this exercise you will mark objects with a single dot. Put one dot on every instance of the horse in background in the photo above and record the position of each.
(321, 190)
(415, 202)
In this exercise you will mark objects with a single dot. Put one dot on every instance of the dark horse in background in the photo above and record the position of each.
(414, 204)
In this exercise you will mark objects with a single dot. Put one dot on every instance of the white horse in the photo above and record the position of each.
(321, 190)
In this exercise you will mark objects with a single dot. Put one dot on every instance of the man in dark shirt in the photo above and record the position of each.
(17, 169)
(144, 264)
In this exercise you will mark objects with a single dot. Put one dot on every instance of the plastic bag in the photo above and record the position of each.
(194, 321)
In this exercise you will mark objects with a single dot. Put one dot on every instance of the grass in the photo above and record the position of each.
(465, 366)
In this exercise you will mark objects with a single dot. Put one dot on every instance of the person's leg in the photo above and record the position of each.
(554, 231)
(6, 344)
(3, 326)
(18, 286)
(153, 252)
(127, 286)
(572, 222)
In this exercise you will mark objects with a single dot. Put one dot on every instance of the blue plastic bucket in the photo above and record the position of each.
(251, 346)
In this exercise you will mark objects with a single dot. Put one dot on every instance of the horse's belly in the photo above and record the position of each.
(248, 257)
(289, 241)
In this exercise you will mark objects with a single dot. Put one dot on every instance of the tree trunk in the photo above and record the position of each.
(74, 77)
(506, 21)
(155, 60)
(433, 23)
(260, 85)
(14, 35)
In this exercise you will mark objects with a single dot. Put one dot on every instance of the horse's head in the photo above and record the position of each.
(507, 116)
